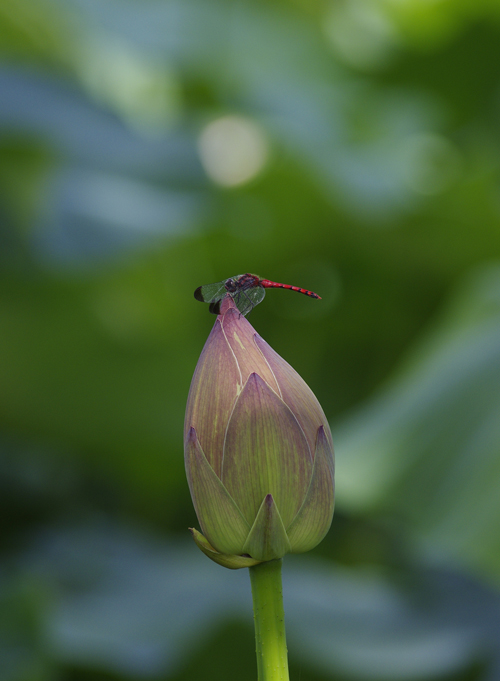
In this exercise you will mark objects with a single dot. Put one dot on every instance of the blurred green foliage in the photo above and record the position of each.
(356, 154)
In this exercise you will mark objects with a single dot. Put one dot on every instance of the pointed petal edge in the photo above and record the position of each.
(218, 514)
(314, 518)
(267, 539)
(229, 561)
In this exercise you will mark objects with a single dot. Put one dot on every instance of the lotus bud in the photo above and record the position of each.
(258, 450)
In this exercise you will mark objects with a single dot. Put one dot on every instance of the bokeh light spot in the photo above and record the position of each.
(360, 33)
(233, 150)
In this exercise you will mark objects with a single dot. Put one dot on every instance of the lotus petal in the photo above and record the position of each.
(313, 520)
(240, 336)
(267, 539)
(265, 452)
(220, 519)
(216, 383)
(296, 394)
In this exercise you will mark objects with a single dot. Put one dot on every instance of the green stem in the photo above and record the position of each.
(269, 618)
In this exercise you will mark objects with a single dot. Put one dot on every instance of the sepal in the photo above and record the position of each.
(229, 561)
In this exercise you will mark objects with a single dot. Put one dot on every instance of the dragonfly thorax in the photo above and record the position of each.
(231, 285)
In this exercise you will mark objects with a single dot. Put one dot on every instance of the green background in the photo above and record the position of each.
(378, 188)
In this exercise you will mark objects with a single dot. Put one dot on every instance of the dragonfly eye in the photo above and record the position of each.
(230, 285)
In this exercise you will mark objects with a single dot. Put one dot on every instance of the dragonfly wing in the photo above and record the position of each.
(247, 299)
(211, 293)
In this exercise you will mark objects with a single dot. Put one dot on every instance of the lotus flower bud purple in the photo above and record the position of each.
(258, 450)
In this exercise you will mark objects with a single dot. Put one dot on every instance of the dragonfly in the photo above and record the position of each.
(246, 290)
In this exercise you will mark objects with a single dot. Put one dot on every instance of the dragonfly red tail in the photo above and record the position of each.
(274, 284)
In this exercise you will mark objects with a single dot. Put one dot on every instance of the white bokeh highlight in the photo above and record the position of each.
(233, 150)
